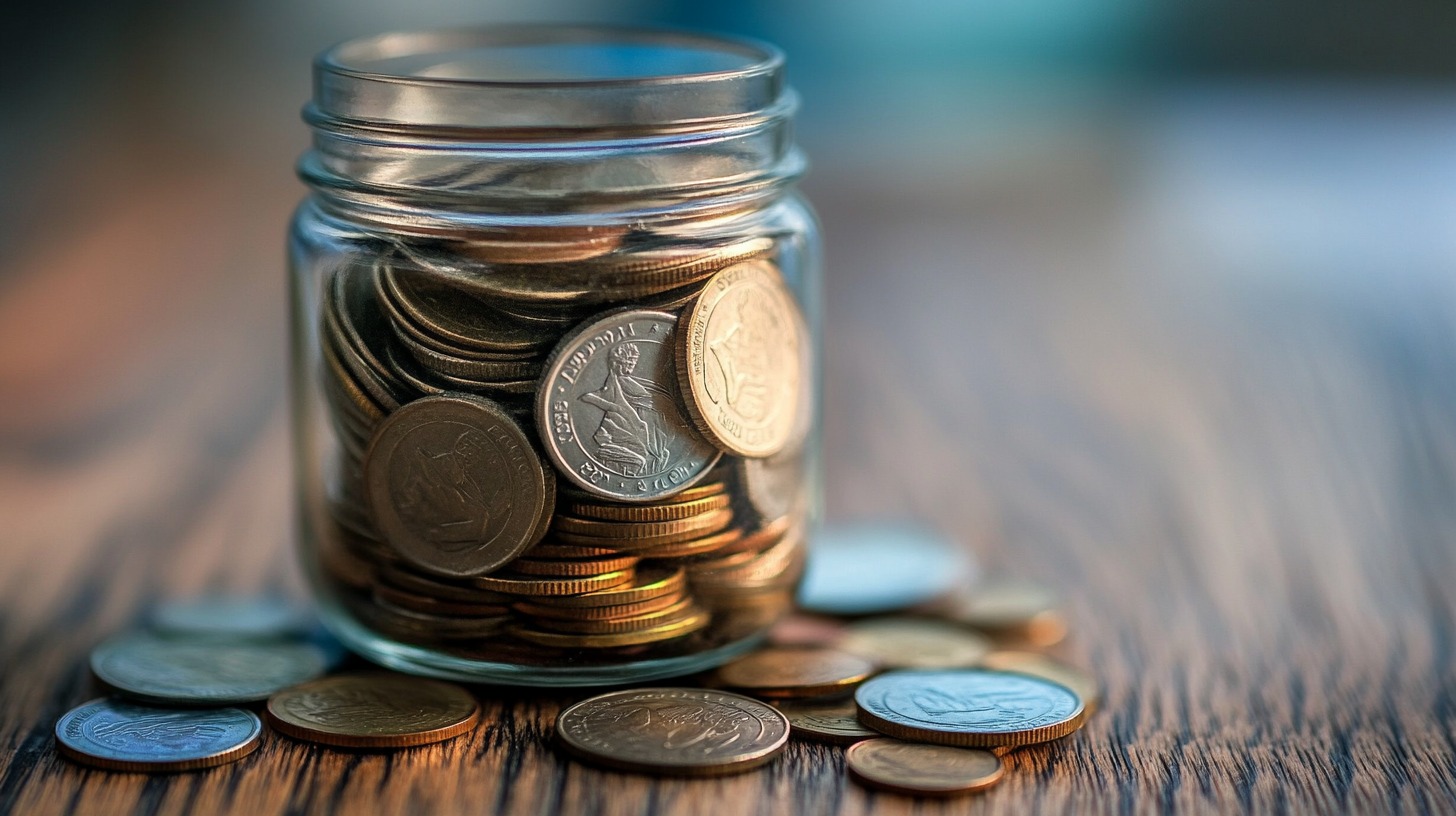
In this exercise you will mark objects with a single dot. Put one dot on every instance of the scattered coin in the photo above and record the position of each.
(1018, 610)
(873, 568)
(922, 770)
(832, 723)
(204, 671)
(796, 671)
(1048, 668)
(374, 710)
(973, 708)
(123, 736)
(231, 616)
(681, 731)
(913, 643)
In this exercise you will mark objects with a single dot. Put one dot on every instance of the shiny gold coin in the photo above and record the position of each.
(683, 608)
(1010, 609)
(778, 566)
(673, 511)
(548, 549)
(569, 568)
(795, 671)
(832, 723)
(676, 628)
(741, 359)
(537, 609)
(699, 524)
(706, 545)
(403, 578)
(652, 582)
(525, 585)
(374, 710)
(922, 770)
(1039, 665)
(914, 643)
(435, 606)
(680, 731)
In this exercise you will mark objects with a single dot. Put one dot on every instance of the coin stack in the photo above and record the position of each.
(566, 442)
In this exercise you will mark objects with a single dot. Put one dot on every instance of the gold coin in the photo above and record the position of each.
(1010, 609)
(675, 628)
(705, 545)
(1039, 665)
(914, 643)
(796, 671)
(548, 549)
(435, 606)
(524, 585)
(403, 578)
(397, 621)
(373, 710)
(683, 608)
(538, 245)
(702, 523)
(672, 511)
(578, 613)
(698, 491)
(569, 568)
(681, 731)
(651, 582)
(741, 360)
(922, 770)
(833, 723)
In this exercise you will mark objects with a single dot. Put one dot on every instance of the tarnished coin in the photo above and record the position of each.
(1049, 668)
(456, 486)
(868, 569)
(796, 671)
(232, 617)
(914, 643)
(681, 731)
(1013, 609)
(973, 708)
(204, 671)
(374, 710)
(834, 723)
(607, 408)
(740, 359)
(122, 736)
(922, 770)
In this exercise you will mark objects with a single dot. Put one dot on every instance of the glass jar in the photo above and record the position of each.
(555, 308)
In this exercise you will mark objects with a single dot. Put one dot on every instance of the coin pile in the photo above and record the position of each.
(568, 444)
(180, 683)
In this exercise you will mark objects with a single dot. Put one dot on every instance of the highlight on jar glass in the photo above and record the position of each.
(555, 309)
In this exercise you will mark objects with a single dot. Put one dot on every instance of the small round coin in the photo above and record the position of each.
(608, 410)
(1010, 609)
(922, 770)
(973, 708)
(914, 643)
(835, 723)
(796, 671)
(868, 569)
(680, 731)
(123, 736)
(456, 486)
(231, 616)
(373, 710)
(208, 671)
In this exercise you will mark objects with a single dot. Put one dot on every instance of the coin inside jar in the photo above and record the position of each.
(796, 671)
(373, 710)
(922, 770)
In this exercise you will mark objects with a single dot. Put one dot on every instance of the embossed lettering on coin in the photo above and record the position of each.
(125, 736)
(741, 359)
(608, 410)
(969, 707)
(455, 485)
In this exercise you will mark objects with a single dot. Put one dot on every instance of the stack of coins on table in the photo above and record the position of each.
(582, 444)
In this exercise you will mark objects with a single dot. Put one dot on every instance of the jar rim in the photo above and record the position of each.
(549, 77)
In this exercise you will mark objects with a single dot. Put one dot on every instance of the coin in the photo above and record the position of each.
(796, 671)
(373, 710)
(1049, 668)
(649, 582)
(538, 245)
(873, 568)
(834, 723)
(914, 643)
(969, 707)
(922, 770)
(456, 486)
(676, 627)
(231, 616)
(677, 529)
(528, 585)
(122, 736)
(681, 731)
(566, 568)
(684, 608)
(208, 671)
(740, 359)
(607, 408)
(537, 609)
(668, 511)
(1010, 609)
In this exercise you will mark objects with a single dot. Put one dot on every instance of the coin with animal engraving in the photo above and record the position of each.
(456, 486)
(196, 671)
(373, 710)
(922, 770)
(608, 410)
(973, 708)
(833, 723)
(680, 731)
(796, 671)
(123, 736)
(740, 358)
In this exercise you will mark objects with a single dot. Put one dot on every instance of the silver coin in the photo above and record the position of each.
(231, 616)
(608, 410)
(867, 569)
(125, 736)
(456, 486)
(972, 708)
(204, 671)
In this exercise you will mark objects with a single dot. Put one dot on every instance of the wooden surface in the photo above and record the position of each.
(1243, 481)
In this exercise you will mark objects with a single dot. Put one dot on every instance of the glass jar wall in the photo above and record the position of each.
(554, 321)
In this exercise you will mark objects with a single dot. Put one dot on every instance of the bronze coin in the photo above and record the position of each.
(374, 710)
(573, 568)
(528, 585)
(831, 723)
(795, 671)
(914, 643)
(649, 582)
(922, 770)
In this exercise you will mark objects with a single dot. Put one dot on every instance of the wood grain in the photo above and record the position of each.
(1245, 485)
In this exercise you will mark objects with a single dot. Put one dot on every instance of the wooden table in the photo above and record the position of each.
(1244, 481)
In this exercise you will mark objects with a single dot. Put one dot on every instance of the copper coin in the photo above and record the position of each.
(914, 643)
(922, 770)
(832, 723)
(373, 710)
(795, 671)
